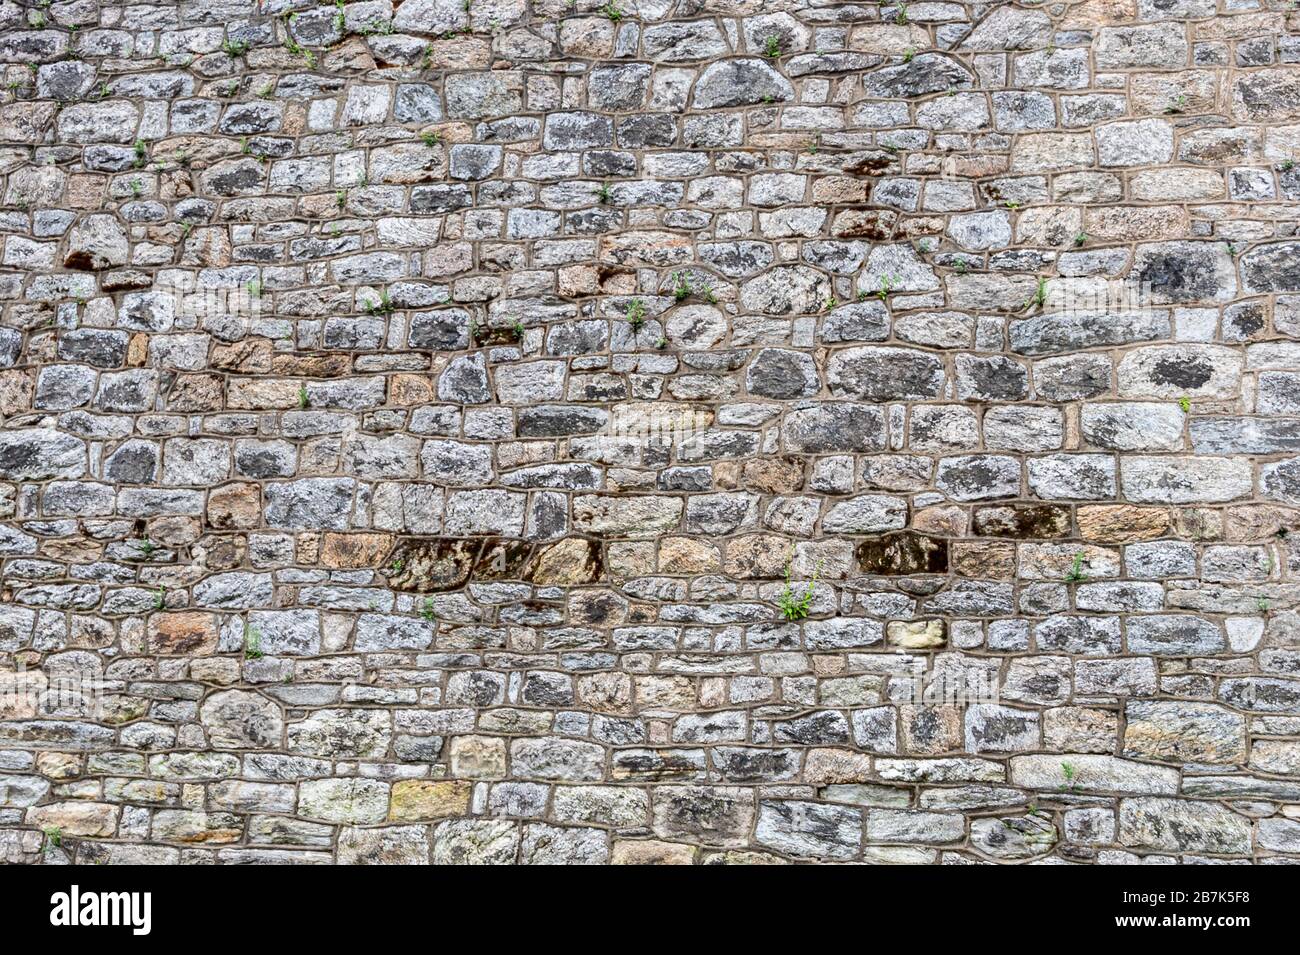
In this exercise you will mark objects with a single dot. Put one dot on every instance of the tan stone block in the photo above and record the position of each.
(664, 692)
(587, 37)
(1067, 561)
(1198, 523)
(251, 356)
(1259, 522)
(995, 560)
(478, 757)
(646, 248)
(312, 366)
(839, 189)
(208, 248)
(575, 280)
(686, 555)
(221, 671)
(916, 634)
(1100, 13)
(254, 394)
(606, 692)
(890, 39)
(236, 505)
(1192, 91)
(196, 392)
(827, 767)
(415, 799)
(1049, 225)
(652, 852)
(1048, 152)
(943, 519)
(137, 350)
(773, 475)
(460, 53)
(410, 390)
(1155, 185)
(15, 392)
(1136, 223)
(85, 191)
(60, 766)
(76, 549)
(756, 555)
(1121, 523)
(73, 818)
(631, 558)
(307, 547)
(567, 563)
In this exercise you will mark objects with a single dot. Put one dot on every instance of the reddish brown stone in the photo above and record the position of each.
(197, 392)
(773, 475)
(183, 632)
(354, 550)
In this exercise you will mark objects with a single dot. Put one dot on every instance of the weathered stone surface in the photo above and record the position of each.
(1179, 825)
(809, 829)
(493, 432)
(1091, 774)
(240, 719)
(1184, 733)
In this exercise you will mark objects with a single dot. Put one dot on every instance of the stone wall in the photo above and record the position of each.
(665, 430)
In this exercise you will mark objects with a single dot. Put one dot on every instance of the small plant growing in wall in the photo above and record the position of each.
(304, 401)
(382, 307)
(796, 606)
(53, 837)
(1076, 573)
(1040, 294)
(604, 194)
(517, 330)
(426, 609)
(1071, 775)
(252, 643)
(612, 11)
(635, 314)
(1185, 403)
(682, 286)
(772, 47)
